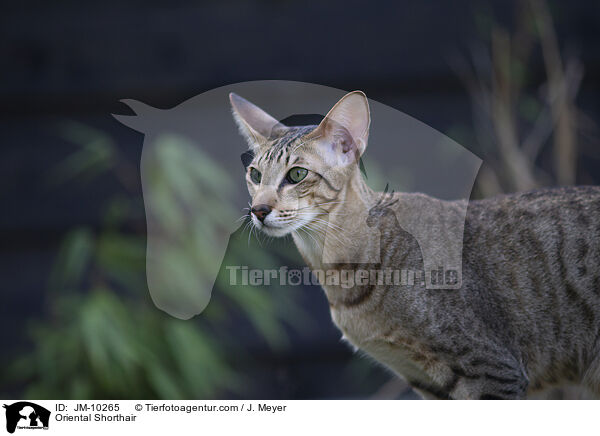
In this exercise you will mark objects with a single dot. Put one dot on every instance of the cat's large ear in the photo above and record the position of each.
(255, 124)
(344, 131)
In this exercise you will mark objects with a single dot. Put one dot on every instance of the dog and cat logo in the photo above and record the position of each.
(26, 415)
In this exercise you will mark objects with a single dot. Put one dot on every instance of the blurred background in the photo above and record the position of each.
(515, 82)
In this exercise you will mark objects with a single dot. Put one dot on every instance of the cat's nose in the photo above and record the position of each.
(261, 211)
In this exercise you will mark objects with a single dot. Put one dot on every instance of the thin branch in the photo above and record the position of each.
(565, 138)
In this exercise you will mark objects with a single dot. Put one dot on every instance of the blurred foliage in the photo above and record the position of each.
(526, 121)
(103, 337)
(527, 124)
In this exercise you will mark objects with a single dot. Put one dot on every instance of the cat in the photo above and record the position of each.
(526, 315)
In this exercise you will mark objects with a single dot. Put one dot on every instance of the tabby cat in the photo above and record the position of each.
(527, 314)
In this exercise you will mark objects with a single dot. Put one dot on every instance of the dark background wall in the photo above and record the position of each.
(71, 60)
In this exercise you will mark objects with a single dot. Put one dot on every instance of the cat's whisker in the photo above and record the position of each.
(322, 213)
(326, 232)
(329, 202)
(328, 227)
(321, 204)
(311, 236)
(297, 233)
(329, 224)
(324, 236)
(334, 230)
(302, 238)
(252, 229)
(323, 232)
(259, 235)
(313, 214)
(247, 225)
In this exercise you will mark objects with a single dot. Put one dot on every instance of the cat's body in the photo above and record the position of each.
(527, 315)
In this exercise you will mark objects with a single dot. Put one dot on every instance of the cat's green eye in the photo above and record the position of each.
(297, 174)
(255, 175)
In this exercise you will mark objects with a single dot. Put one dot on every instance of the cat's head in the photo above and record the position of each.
(297, 172)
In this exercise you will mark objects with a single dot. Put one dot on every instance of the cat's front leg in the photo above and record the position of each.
(472, 373)
(495, 382)
(486, 387)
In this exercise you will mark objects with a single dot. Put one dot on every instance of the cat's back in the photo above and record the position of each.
(536, 257)
(560, 226)
(582, 199)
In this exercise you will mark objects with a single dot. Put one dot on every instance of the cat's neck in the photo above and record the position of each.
(346, 235)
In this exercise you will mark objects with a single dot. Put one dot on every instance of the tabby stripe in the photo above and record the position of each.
(440, 349)
(329, 185)
(492, 365)
(449, 387)
(596, 285)
(562, 268)
(361, 298)
(460, 372)
(501, 379)
(540, 253)
(578, 300)
(510, 392)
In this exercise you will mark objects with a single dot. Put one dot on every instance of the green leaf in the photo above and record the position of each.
(73, 259)
(96, 154)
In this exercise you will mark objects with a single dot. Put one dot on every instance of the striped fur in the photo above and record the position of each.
(527, 316)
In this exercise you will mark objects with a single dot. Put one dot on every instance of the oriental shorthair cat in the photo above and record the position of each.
(526, 315)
